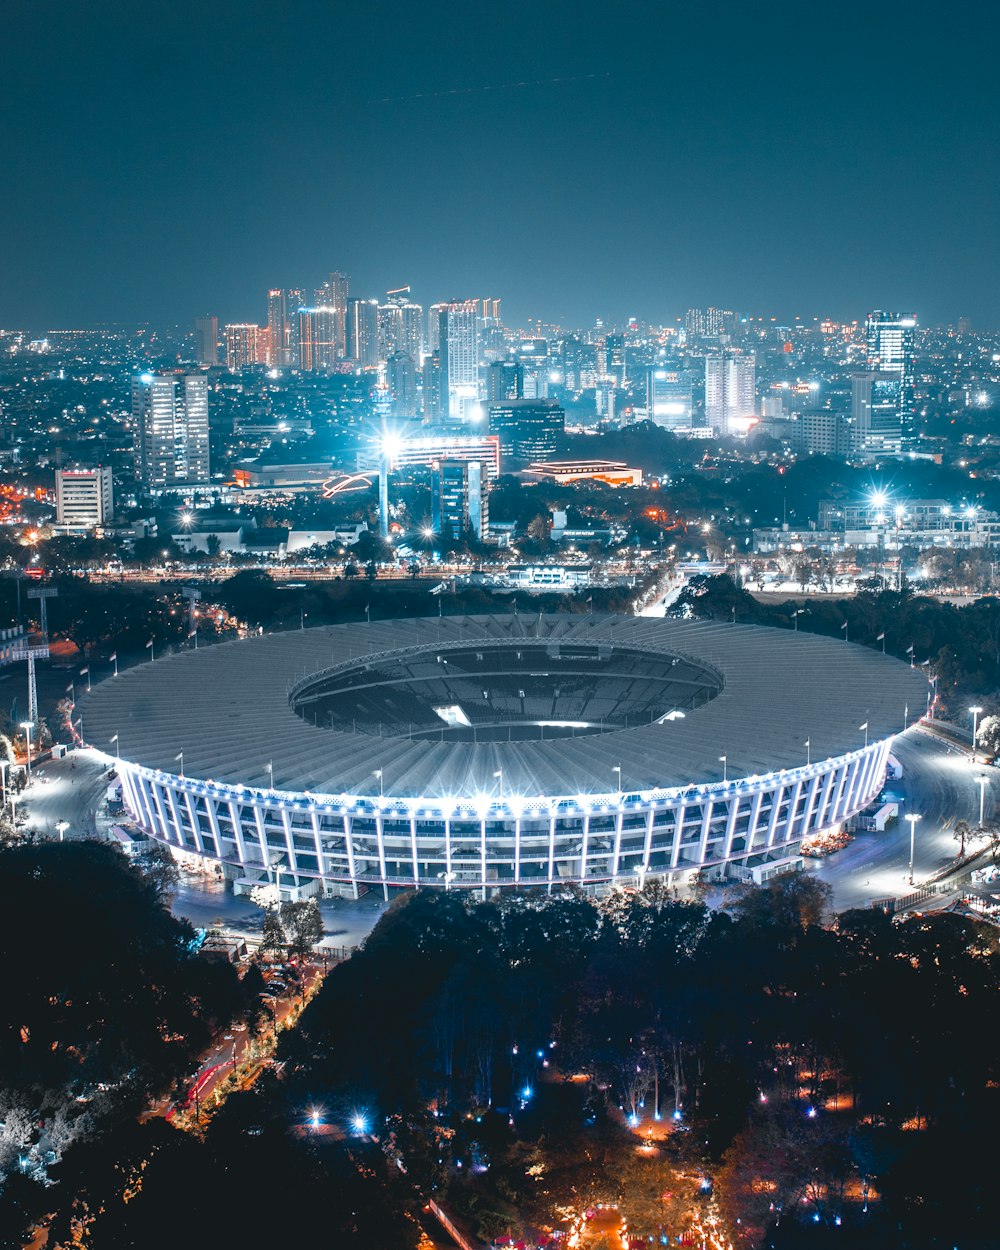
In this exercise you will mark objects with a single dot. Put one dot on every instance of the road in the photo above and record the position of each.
(940, 785)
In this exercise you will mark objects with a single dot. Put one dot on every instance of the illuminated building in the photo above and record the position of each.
(670, 398)
(400, 326)
(611, 472)
(84, 497)
(246, 345)
(876, 412)
(333, 294)
(206, 333)
(401, 376)
(507, 751)
(425, 450)
(362, 332)
(504, 380)
(891, 350)
(460, 499)
(528, 429)
(317, 339)
(459, 348)
(170, 412)
(729, 393)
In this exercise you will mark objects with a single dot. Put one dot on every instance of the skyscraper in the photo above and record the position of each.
(246, 345)
(670, 397)
(401, 376)
(730, 393)
(876, 416)
(460, 500)
(170, 412)
(362, 332)
(528, 429)
(206, 332)
(504, 380)
(333, 295)
(277, 327)
(891, 350)
(459, 347)
(317, 338)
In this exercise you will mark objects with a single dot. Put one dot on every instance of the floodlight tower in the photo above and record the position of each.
(41, 651)
(382, 405)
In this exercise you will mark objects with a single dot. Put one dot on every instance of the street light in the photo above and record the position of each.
(808, 745)
(724, 761)
(61, 827)
(975, 728)
(982, 799)
(499, 777)
(26, 725)
(912, 818)
(117, 752)
(617, 768)
(378, 773)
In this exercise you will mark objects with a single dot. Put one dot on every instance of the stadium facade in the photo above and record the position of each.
(503, 751)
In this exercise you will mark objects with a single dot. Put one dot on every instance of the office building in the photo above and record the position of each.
(434, 326)
(246, 345)
(84, 497)
(170, 412)
(430, 389)
(206, 333)
(670, 398)
(891, 340)
(333, 294)
(709, 322)
(729, 393)
(459, 348)
(504, 380)
(460, 500)
(401, 377)
(362, 332)
(317, 345)
(528, 429)
(877, 412)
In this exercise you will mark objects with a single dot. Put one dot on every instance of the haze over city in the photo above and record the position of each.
(578, 160)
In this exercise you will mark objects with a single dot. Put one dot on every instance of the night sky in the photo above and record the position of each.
(161, 160)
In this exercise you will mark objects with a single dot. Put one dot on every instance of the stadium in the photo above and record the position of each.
(502, 751)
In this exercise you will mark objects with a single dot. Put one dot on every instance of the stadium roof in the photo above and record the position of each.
(226, 707)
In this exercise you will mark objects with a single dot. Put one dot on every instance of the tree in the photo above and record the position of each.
(272, 937)
(303, 925)
(963, 831)
(159, 867)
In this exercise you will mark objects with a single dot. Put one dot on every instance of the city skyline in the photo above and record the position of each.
(578, 164)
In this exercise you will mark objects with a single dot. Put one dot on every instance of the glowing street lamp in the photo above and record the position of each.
(381, 791)
(26, 725)
(976, 710)
(724, 761)
(617, 768)
(982, 799)
(61, 827)
(912, 818)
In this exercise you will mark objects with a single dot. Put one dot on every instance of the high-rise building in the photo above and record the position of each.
(277, 327)
(528, 429)
(460, 499)
(170, 412)
(333, 295)
(206, 333)
(504, 380)
(84, 497)
(401, 376)
(459, 339)
(434, 326)
(430, 389)
(246, 345)
(709, 322)
(614, 358)
(362, 332)
(730, 393)
(400, 326)
(891, 341)
(670, 398)
(317, 346)
(876, 412)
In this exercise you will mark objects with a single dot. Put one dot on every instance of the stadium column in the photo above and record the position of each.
(552, 849)
(380, 839)
(756, 804)
(732, 814)
(349, 852)
(413, 849)
(678, 814)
